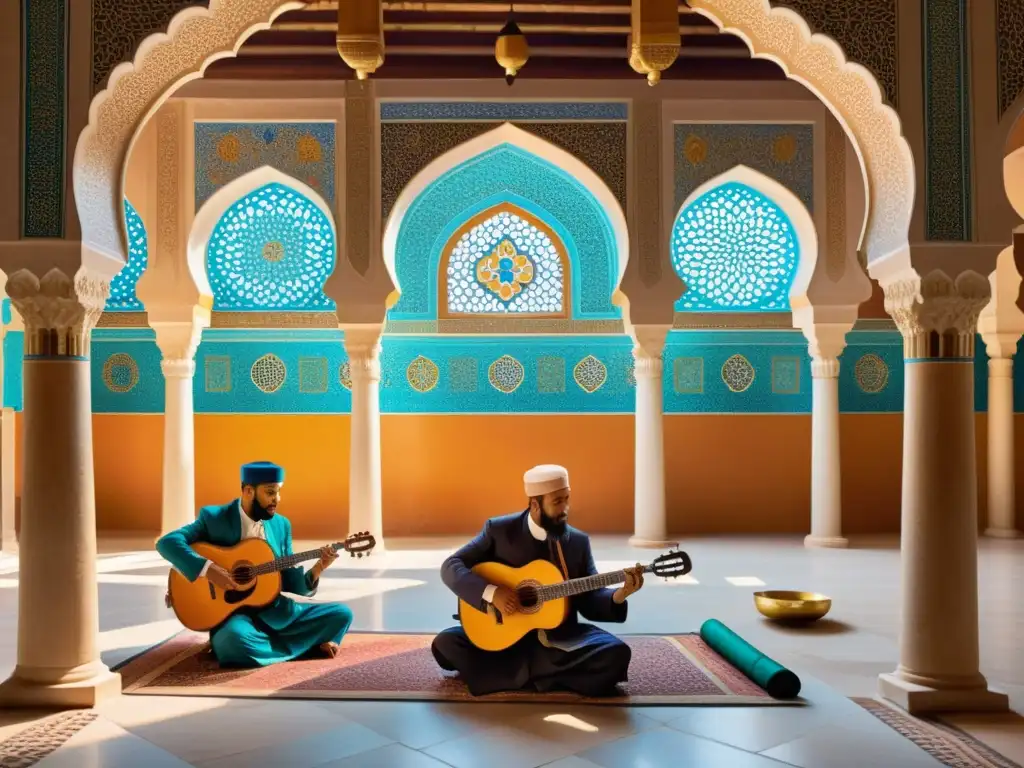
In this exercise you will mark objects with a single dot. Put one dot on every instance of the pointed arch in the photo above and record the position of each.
(767, 218)
(512, 168)
(224, 213)
(508, 135)
(123, 296)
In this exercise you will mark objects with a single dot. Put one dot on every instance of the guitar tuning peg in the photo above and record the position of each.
(360, 555)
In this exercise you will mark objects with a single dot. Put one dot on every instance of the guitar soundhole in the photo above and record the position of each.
(528, 599)
(243, 573)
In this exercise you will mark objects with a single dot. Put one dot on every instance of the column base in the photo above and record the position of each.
(1002, 533)
(920, 699)
(16, 692)
(826, 542)
(642, 543)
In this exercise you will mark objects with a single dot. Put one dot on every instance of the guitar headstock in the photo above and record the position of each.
(672, 564)
(358, 544)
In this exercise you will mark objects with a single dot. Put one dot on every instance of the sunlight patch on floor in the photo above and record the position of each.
(571, 721)
(138, 635)
(745, 581)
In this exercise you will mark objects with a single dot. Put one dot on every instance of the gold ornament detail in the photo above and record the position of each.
(120, 373)
(360, 37)
(590, 374)
(229, 148)
(654, 42)
(784, 148)
(695, 149)
(506, 374)
(345, 375)
(422, 374)
(511, 50)
(273, 251)
(308, 149)
(737, 373)
(871, 373)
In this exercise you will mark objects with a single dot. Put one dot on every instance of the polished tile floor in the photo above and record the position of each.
(401, 591)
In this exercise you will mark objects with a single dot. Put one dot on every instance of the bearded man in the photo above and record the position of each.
(285, 629)
(576, 656)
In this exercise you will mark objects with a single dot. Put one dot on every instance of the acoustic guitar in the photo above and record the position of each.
(543, 596)
(201, 606)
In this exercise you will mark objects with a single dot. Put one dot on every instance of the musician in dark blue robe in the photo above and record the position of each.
(576, 656)
(285, 629)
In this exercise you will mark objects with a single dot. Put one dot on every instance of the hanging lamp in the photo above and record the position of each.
(654, 39)
(361, 35)
(511, 49)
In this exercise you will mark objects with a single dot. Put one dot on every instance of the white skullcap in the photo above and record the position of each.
(546, 478)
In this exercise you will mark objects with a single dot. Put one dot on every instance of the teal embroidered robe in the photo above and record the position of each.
(283, 630)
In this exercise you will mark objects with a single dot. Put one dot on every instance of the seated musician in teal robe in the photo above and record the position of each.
(285, 629)
(576, 656)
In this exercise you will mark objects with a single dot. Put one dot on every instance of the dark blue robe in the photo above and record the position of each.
(576, 656)
(282, 631)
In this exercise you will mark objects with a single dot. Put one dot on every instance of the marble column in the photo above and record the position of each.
(1001, 326)
(58, 660)
(939, 665)
(825, 329)
(178, 343)
(365, 512)
(826, 468)
(650, 527)
(1002, 480)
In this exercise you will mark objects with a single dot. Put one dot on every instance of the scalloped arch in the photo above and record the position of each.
(198, 36)
(509, 135)
(853, 96)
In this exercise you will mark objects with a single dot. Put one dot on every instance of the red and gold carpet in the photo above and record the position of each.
(668, 670)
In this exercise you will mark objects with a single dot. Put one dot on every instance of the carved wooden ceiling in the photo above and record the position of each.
(455, 39)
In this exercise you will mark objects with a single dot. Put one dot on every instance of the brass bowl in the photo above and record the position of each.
(781, 605)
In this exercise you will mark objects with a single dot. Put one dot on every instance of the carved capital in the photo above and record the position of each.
(178, 332)
(938, 316)
(59, 312)
(362, 345)
(824, 367)
(182, 368)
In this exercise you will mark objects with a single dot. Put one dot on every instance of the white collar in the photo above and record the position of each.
(245, 518)
(538, 533)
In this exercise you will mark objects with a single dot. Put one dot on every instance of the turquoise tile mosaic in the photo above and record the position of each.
(226, 151)
(14, 348)
(506, 174)
(735, 250)
(122, 288)
(272, 250)
(705, 372)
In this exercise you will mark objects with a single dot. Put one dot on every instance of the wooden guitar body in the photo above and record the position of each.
(491, 631)
(201, 606)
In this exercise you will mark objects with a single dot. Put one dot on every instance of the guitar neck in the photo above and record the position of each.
(574, 587)
(290, 561)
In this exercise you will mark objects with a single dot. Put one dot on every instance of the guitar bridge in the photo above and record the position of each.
(213, 592)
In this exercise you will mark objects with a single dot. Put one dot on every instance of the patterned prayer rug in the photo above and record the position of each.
(947, 744)
(674, 670)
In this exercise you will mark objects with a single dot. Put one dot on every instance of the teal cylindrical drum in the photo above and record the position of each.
(779, 682)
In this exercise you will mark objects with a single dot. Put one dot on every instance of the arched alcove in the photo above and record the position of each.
(123, 297)
(507, 170)
(265, 242)
(504, 260)
(742, 242)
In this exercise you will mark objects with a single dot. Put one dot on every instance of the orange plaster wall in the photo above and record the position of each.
(446, 474)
